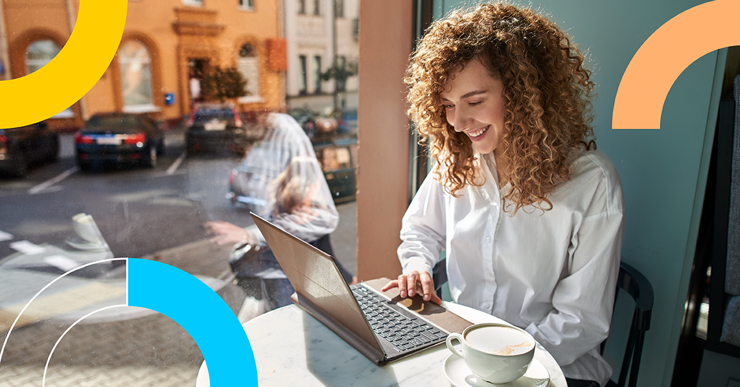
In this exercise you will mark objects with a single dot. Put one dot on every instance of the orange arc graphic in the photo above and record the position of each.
(666, 54)
(72, 73)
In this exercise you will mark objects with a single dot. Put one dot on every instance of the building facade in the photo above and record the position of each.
(167, 47)
(321, 34)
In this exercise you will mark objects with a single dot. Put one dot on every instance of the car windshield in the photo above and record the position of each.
(203, 116)
(114, 121)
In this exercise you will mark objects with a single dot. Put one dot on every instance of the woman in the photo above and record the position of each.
(529, 213)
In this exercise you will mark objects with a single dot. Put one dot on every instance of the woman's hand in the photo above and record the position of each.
(227, 233)
(412, 283)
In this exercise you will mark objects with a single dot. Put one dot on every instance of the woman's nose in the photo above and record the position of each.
(458, 119)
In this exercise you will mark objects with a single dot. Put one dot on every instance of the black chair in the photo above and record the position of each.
(637, 286)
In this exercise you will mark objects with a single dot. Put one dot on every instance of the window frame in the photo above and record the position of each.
(256, 90)
(339, 8)
(66, 113)
(317, 74)
(136, 108)
(302, 75)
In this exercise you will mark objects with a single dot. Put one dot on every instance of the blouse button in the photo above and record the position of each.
(488, 239)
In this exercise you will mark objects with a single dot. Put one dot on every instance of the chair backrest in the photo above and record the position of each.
(637, 286)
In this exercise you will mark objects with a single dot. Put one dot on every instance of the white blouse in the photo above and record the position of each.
(552, 273)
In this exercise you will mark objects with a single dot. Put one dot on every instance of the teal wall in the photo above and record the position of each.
(663, 171)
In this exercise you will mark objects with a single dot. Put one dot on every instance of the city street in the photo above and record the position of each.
(144, 213)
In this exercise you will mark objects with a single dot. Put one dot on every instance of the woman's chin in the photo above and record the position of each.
(483, 148)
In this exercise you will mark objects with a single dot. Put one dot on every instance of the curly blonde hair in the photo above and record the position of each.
(547, 92)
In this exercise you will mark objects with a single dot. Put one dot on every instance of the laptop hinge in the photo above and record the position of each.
(374, 354)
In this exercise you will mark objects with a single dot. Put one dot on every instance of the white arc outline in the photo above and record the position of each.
(46, 367)
(5, 342)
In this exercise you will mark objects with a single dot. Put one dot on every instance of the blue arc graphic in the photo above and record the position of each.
(201, 312)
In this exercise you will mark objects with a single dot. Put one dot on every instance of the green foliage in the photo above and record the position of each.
(341, 70)
(222, 84)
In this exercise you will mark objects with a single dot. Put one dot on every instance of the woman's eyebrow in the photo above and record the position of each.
(468, 95)
(472, 93)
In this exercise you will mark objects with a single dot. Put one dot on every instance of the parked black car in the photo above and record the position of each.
(215, 128)
(23, 147)
(119, 138)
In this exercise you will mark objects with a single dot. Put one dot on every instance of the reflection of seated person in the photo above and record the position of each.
(329, 159)
(296, 196)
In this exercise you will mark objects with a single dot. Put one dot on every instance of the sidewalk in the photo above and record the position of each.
(133, 349)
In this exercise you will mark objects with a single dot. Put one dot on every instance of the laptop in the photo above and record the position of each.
(380, 325)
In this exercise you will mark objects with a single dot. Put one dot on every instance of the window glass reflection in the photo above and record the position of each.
(187, 126)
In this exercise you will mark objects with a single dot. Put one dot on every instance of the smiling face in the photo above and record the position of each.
(474, 103)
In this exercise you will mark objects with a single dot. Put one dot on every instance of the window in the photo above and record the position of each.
(339, 8)
(249, 66)
(341, 82)
(302, 82)
(38, 54)
(152, 202)
(317, 68)
(136, 77)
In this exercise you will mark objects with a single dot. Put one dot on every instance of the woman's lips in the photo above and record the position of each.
(478, 134)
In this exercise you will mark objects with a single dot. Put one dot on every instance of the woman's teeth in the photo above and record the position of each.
(478, 132)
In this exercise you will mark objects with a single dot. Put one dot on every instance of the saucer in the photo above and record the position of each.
(458, 373)
(82, 244)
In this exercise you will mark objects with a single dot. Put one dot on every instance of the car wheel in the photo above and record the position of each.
(21, 167)
(151, 161)
(53, 151)
(160, 147)
(84, 166)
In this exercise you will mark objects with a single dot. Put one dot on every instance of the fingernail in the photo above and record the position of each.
(403, 294)
(412, 292)
(426, 297)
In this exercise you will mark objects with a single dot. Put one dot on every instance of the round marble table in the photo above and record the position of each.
(291, 348)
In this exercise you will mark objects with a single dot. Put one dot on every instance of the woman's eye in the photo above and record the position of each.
(448, 107)
(475, 103)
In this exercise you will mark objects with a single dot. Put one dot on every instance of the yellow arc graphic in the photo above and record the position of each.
(666, 54)
(72, 73)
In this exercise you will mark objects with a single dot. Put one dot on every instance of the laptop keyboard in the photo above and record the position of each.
(404, 332)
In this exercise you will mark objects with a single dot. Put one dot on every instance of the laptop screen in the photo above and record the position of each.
(316, 277)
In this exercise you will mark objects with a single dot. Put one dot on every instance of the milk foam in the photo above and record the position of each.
(499, 340)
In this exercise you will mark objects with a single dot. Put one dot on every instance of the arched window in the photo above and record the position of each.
(38, 54)
(249, 66)
(136, 77)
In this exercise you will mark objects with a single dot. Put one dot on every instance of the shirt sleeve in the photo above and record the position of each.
(582, 301)
(423, 228)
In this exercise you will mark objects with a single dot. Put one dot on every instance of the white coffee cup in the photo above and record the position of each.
(497, 353)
